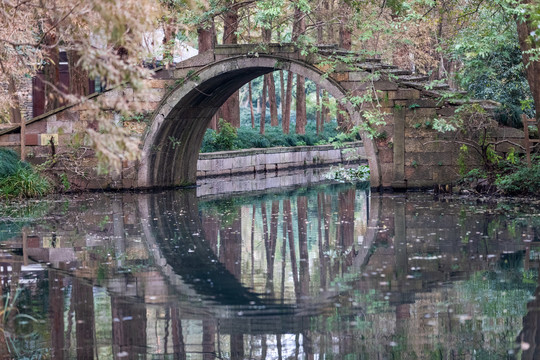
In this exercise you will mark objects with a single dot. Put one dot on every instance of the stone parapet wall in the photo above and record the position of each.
(275, 159)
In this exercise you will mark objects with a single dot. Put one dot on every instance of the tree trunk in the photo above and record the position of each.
(51, 72)
(168, 43)
(206, 37)
(345, 42)
(286, 120)
(250, 99)
(15, 110)
(78, 77)
(532, 68)
(282, 94)
(301, 119)
(318, 111)
(271, 86)
(263, 109)
(206, 41)
(299, 28)
(230, 110)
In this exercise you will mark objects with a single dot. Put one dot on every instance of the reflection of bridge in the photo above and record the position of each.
(403, 158)
(193, 279)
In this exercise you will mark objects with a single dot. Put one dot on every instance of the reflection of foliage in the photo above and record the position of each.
(15, 215)
(227, 210)
(342, 174)
(19, 328)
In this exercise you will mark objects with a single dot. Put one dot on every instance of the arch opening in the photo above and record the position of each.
(171, 146)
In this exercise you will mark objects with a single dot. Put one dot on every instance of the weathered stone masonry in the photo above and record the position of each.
(183, 100)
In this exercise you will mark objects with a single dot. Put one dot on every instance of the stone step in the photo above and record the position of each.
(398, 72)
(438, 87)
(413, 78)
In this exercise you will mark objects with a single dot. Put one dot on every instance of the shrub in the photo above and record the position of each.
(523, 181)
(342, 174)
(25, 182)
(246, 137)
(9, 162)
(226, 137)
(223, 140)
(18, 179)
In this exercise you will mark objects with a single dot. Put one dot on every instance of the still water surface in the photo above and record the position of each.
(325, 272)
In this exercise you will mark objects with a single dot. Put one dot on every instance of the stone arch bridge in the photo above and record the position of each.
(183, 100)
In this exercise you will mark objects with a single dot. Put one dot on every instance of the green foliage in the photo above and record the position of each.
(223, 140)
(9, 162)
(247, 138)
(473, 175)
(523, 181)
(18, 179)
(492, 65)
(25, 182)
(461, 160)
(342, 174)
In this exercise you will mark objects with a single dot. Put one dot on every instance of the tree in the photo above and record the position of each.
(230, 110)
(529, 40)
(93, 30)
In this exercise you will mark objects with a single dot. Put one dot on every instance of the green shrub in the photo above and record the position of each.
(25, 182)
(226, 137)
(523, 181)
(246, 137)
(18, 179)
(223, 140)
(9, 162)
(342, 174)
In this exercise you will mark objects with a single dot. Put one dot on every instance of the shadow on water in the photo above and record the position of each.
(328, 271)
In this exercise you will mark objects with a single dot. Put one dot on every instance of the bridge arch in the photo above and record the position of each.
(172, 143)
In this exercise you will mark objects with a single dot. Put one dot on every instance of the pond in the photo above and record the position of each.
(319, 272)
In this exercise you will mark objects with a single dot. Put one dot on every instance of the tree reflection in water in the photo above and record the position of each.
(321, 272)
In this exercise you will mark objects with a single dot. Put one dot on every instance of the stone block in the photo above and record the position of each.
(420, 145)
(68, 115)
(340, 76)
(46, 139)
(504, 132)
(418, 173)
(361, 76)
(404, 94)
(243, 162)
(37, 127)
(446, 111)
(445, 174)
(32, 139)
(158, 84)
(386, 155)
(385, 85)
(421, 113)
(506, 147)
(387, 174)
(59, 127)
(428, 158)
(154, 95)
(285, 158)
(272, 158)
(204, 165)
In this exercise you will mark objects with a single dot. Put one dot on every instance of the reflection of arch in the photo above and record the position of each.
(171, 146)
(174, 232)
